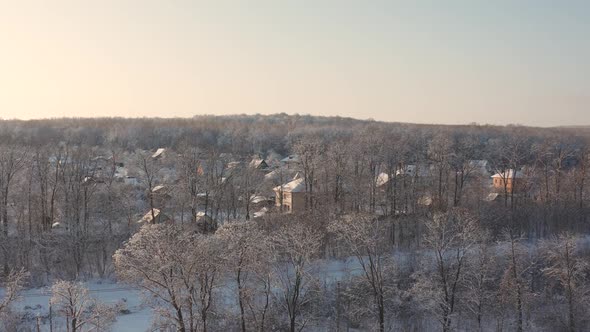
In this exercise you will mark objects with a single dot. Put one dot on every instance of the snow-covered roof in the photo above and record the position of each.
(258, 163)
(491, 197)
(158, 188)
(411, 170)
(203, 217)
(257, 199)
(158, 153)
(509, 174)
(382, 179)
(233, 164)
(272, 175)
(425, 200)
(280, 174)
(295, 186)
(148, 217)
(290, 159)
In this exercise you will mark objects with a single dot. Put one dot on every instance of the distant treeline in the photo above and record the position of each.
(243, 133)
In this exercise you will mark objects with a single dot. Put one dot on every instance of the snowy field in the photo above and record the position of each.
(35, 303)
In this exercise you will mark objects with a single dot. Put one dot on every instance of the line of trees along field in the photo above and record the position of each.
(400, 230)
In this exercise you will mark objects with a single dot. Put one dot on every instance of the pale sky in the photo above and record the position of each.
(495, 62)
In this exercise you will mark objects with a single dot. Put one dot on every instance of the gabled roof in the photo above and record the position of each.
(148, 218)
(258, 163)
(233, 164)
(158, 153)
(280, 174)
(491, 197)
(272, 175)
(413, 170)
(509, 174)
(425, 200)
(203, 217)
(158, 188)
(254, 199)
(382, 179)
(295, 186)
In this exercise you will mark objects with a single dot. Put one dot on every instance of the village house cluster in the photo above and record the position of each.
(280, 185)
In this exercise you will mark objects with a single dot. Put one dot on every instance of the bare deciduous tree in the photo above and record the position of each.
(12, 286)
(297, 245)
(365, 237)
(72, 301)
(178, 268)
(479, 278)
(513, 287)
(568, 270)
(249, 256)
(450, 236)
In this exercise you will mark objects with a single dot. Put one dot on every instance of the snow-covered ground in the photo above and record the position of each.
(35, 303)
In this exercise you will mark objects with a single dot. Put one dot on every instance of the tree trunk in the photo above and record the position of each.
(381, 305)
(241, 300)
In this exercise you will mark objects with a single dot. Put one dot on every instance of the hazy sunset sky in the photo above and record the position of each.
(434, 61)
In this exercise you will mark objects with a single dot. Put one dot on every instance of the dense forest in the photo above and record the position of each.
(397, 227)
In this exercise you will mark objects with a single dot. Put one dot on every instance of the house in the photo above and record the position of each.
(258, 203)
(291, 161)
(61, 160)
(425, 200)
(233, 165)
(90, 180)
(409, 171)
(291, 196)
(258, 163)
(157, 217)
(507, 179)
(120, 172)
(159, 189)
(279, 175)
(382, 179)
(159, 153)
(414, 170)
